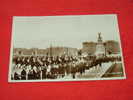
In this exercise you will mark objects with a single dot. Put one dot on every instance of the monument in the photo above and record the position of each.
(100, 48)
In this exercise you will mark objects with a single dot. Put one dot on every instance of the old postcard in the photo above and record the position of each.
(65, 48)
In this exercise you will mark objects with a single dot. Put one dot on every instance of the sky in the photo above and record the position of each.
(67, 31)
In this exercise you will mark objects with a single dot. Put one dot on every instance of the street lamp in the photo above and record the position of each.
(105, 48)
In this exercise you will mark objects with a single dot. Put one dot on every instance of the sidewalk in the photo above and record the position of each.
(95, 72)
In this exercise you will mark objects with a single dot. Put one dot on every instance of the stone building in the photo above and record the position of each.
(100, 47)
(89, 48)
(59, 51)
(112, 47)
(52, 51)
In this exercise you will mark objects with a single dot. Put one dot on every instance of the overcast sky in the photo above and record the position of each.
(70, 31)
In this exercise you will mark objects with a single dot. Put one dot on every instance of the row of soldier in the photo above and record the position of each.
(31, 68)
(26, 68)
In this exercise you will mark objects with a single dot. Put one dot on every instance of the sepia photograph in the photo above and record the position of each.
(65, 48)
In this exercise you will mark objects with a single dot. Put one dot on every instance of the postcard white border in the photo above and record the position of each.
(65, 80)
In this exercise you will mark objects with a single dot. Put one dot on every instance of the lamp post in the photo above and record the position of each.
(50, 51)
(105, 48)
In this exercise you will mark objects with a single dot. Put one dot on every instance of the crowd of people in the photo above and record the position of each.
(44, 67)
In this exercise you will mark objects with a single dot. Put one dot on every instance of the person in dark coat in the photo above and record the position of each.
(16, 76)
(23, 75)
(62, 70)
(44, 70)
(30, 75)
(38, 74)
(73, 71)
(35, 76)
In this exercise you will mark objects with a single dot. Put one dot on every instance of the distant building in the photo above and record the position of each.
(89, 48)
(100, 47)
(59, 51)
(112, 47)
(52, 51)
